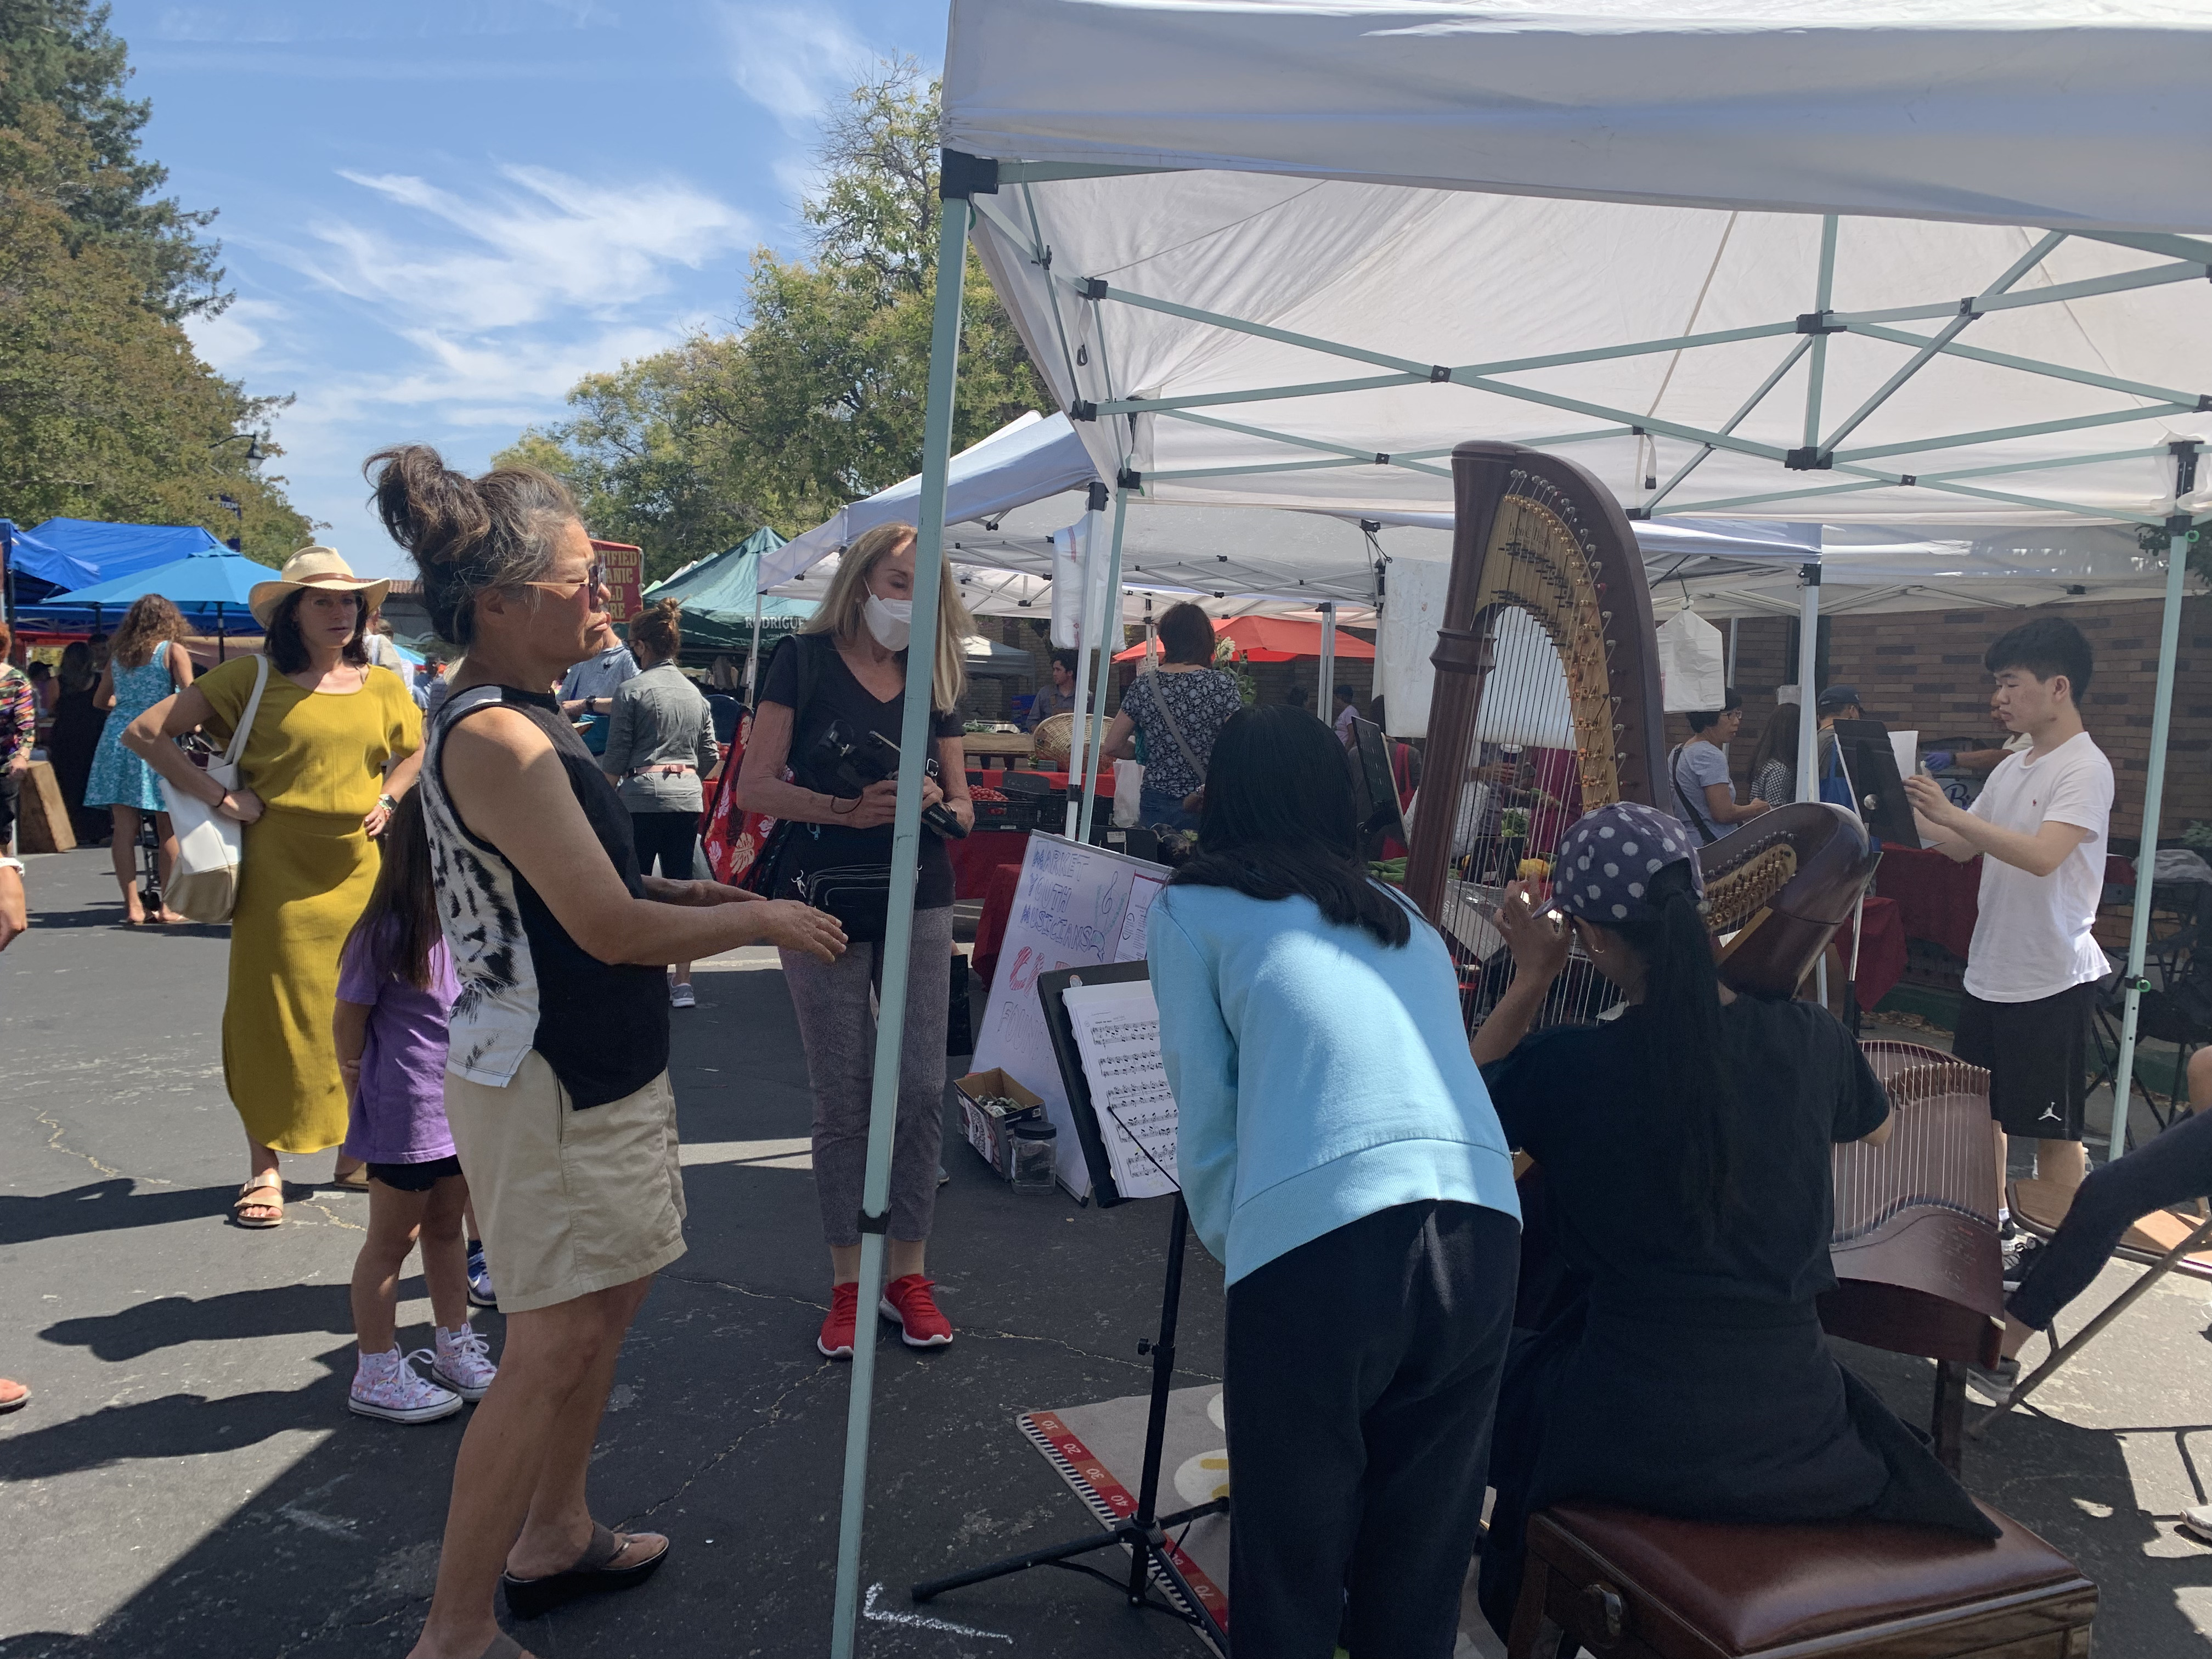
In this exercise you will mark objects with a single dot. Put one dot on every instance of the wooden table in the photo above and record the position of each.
(1004, 748)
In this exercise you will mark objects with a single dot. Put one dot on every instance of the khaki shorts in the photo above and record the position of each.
(568, 1201)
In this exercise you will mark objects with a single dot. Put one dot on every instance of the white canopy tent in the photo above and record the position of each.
(1288, 254)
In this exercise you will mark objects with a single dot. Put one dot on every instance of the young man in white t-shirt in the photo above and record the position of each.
(2040, 825)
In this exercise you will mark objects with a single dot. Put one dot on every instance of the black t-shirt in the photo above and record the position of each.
(835, 695)
(1573, 1099)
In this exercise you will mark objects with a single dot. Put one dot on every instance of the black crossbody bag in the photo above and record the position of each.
(795, 865)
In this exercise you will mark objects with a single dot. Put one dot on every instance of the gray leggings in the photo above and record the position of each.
(839, 1030)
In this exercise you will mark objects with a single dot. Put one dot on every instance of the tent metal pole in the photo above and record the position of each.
(219, 655)
(1808, 643)
(1078, 759)
(2056, 294)
(1995, 435)
(898, 934)
(2030, 365)
(752, 658)
(1731, 656)
(2162, 727)
(1322, 703)
(1110, 640)
(1808, 745)
(1824, 288)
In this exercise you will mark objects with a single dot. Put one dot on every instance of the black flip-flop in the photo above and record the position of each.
(529, 1598)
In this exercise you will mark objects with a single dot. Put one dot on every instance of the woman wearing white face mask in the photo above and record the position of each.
(840, 679)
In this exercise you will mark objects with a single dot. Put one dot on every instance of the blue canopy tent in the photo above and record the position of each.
(209, 587)
(63, 555)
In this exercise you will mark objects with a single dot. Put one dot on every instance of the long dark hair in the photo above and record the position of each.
(405, 899)
(1777, 741)
(288, 651)
(1280, 819)
(1686, 1067)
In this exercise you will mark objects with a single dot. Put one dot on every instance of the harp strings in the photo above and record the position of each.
(1942, 1156)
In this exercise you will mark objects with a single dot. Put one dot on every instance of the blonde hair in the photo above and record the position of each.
(839, 613)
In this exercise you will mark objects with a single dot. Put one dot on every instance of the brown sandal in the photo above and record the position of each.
(246, 1200)
(354, 1180)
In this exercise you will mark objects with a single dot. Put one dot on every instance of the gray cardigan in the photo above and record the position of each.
(659, 719)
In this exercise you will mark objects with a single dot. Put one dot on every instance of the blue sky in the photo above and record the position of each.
(437, 214)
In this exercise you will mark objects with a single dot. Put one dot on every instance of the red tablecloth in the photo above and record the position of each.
(981, 852)
(1882, 957)
(991, 930)
(1936, 899)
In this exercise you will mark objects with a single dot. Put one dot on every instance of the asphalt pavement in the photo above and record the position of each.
(186, 1481)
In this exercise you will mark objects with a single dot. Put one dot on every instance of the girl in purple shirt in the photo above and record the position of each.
(395, 988)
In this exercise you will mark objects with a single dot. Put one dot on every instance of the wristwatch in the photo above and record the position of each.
(388, 802)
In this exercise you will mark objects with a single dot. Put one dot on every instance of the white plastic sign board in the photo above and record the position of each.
(1405, 640)
(1076, 907)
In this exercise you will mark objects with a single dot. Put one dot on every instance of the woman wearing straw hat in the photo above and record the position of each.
(332, 748)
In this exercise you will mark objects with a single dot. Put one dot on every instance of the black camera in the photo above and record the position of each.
(854, 760)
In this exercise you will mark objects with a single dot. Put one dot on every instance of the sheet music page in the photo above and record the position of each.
(1142, 891)
(1117, 1034)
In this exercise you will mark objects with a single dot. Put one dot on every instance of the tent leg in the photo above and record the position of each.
(1808, 719)
(752, 659)
(898, 936)
(1110, 638)
(1323, 706)
(2161, 726)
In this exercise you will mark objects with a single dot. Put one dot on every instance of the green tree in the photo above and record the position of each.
(819, 399)
(62, 81)
(105, 410)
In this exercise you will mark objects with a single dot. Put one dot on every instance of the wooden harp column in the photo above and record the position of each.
(1538, 534)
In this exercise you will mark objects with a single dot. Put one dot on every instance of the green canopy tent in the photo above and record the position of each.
(722, 606)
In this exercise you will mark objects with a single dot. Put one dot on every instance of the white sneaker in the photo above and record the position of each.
(385, 1385)
(2197, 1523)
(681, 996)
(462, 1362)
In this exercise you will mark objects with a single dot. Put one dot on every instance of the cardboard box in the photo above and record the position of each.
(988, 1127)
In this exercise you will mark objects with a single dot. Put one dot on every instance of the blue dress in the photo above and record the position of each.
(118, 777)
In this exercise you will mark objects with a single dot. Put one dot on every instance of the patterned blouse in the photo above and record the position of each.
(1201, 703)
(19, 713)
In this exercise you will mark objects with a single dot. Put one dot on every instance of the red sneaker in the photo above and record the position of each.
(908, 1301)
(836, 1338)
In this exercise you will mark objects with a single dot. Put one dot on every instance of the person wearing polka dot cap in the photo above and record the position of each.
(1676, 1225)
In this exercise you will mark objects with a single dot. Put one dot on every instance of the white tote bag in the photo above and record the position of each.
(204, 883)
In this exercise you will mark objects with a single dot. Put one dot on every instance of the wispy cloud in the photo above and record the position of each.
(548, 244)
(231, 339)
(794, 61)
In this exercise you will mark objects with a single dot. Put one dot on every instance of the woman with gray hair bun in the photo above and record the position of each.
(556, 1081)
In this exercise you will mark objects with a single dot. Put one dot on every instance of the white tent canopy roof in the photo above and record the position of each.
(1174, 295)
(1016, 487)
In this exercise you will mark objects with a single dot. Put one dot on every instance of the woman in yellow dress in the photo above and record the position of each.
(333, 746)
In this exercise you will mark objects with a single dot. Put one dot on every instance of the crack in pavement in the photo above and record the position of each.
(768, 1416)
(54, 1144)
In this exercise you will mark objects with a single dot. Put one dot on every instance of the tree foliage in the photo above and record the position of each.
(818, 399)
(105, 410)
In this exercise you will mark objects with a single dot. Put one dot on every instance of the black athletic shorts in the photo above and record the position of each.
(415, 1177)
(2037, 1056)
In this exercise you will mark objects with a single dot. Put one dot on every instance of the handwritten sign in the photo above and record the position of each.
(1076, 906)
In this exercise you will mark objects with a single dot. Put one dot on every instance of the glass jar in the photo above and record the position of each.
(1033, 1157)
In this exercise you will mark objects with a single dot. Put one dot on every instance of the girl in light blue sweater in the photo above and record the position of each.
(1340, 1156)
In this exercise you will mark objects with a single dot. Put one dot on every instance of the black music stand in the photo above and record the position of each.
(1143, 1533)
(1376, 787)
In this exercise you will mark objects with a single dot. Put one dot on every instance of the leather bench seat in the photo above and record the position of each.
(1697, 1588)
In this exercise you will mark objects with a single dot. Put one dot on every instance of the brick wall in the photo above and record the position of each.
(1923, 671)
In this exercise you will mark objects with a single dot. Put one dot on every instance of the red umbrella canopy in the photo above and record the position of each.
(1272, 639)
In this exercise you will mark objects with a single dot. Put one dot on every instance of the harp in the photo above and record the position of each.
(1546, 700)
(1914, 1243)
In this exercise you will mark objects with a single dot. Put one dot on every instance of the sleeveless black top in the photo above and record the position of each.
(525, 984)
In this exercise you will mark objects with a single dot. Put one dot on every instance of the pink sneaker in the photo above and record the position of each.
(907, 1300)
(462, 1363)
(385, 1385)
